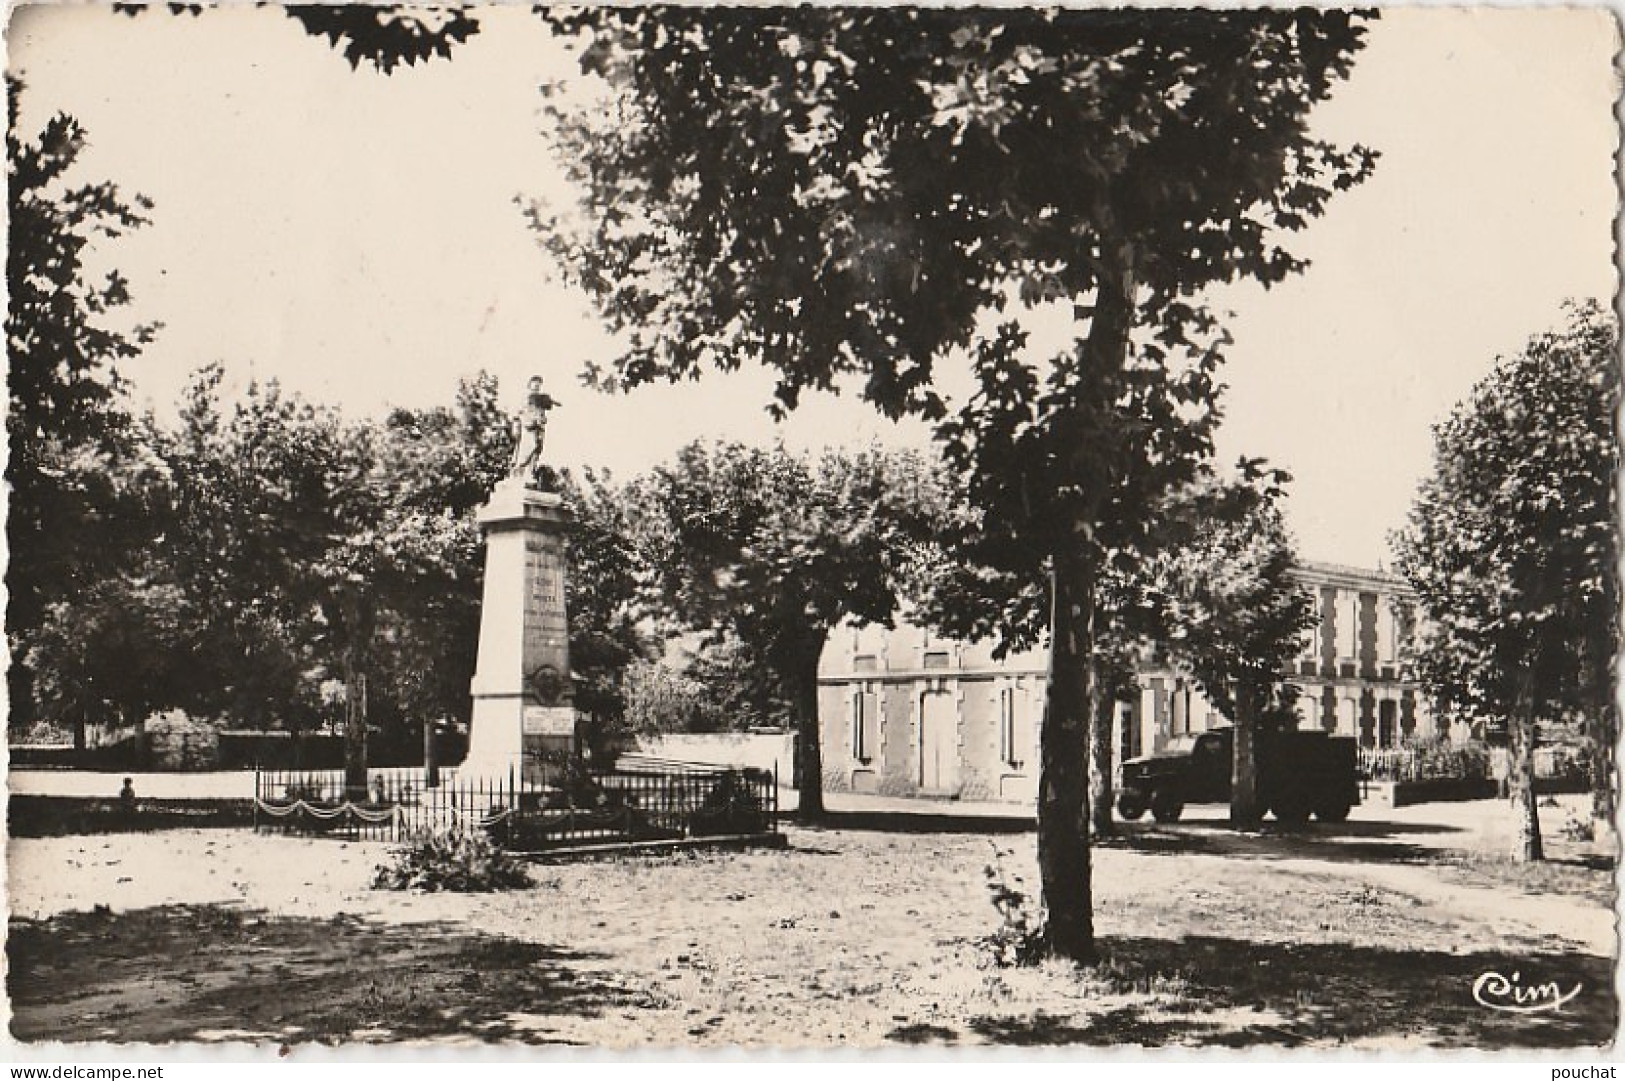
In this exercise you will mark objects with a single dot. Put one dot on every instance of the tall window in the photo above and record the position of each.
(1385, 631)
(1007, 725)
(1308, 707)
(865, 726)
(1311, 637)
(1015, 726)
(1128, 731)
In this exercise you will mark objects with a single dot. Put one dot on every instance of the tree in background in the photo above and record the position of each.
(864, 191)
(775, 550)
(332, 551)
(271, 510)
(718, 686)
(603, 595)
(289, 550)
(1513, 552)
(115, 654)
(1234, 618)
(72, 467)
(437, 466)
(741, 691)
(1203, 586)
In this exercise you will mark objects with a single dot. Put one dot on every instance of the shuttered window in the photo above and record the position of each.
(1311, 637)
(1007, 725)
(1016, 731)
(865, 725)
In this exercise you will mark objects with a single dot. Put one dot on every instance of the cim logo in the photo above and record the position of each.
(1512, 995)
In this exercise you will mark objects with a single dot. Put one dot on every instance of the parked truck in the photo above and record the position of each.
(1299, 773)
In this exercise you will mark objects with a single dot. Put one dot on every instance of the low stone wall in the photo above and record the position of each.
(178, 742)
(1457, 790)
(281, 750)
(759, 750)
(1442, 790)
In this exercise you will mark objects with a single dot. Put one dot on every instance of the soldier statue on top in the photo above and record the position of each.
(529, 432)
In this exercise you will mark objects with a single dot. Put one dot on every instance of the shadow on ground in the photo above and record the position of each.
(1343, 842)
(1587, 876)
(1323, 993)
(183, 973)
(912, 822)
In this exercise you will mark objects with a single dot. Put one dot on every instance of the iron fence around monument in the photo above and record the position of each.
(550, 806)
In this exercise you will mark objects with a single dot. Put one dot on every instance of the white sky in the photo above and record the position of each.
(356, 236)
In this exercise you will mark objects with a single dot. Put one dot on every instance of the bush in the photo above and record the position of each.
(1575, 828)
(1440, 759)
(457, 860)
(1019, 939)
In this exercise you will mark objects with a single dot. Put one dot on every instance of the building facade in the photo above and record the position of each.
(906, 712)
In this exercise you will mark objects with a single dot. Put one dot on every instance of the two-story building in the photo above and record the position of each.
(906, 712)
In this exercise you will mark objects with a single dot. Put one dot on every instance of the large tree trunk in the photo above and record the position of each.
(1245, 812)
(357, 648)
(22, 710)
(1604, 731)
(1072, 696)
(803, 683)
(1102, 710)
(355, 732)
(431, 765)
(1602, 719)
(1063, 811)
(1521, 771)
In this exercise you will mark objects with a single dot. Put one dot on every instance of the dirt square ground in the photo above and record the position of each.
(868, 932)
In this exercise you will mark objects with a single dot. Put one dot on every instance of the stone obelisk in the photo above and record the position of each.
(522, 690)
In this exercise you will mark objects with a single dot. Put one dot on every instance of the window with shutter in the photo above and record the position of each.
(1016, 727)
(1007, 724)
(1311, 638)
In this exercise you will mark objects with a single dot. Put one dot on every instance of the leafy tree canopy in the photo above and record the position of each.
(382, 36)
(766, 548)
(837, 190)
(604, 593)
(1512, 544)
(1512, 547)
(72, 466)
(1233, 615)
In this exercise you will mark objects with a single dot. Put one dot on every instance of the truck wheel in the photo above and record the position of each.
(1130, 805)
(1166, 807)
(1334, 812)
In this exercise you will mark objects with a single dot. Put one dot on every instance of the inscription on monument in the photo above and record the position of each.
(547, 629)
(544, 565)
(548, 721)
